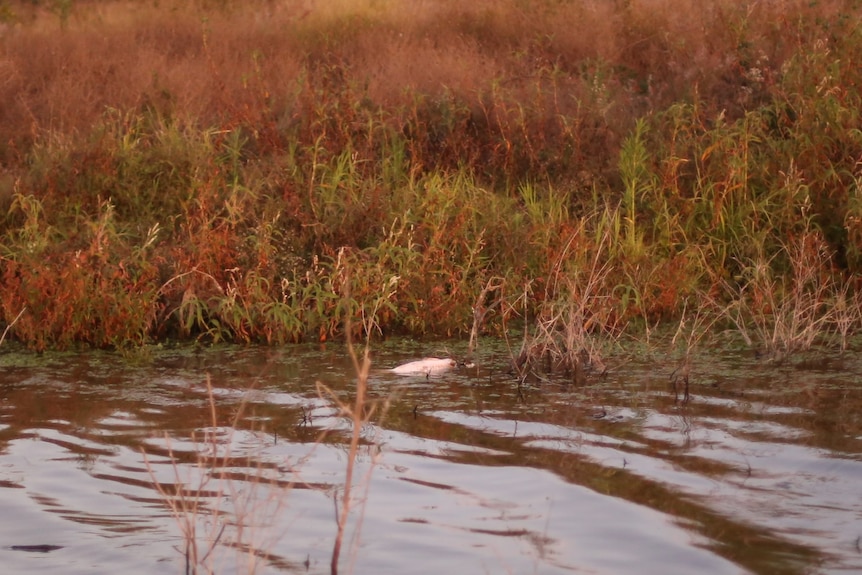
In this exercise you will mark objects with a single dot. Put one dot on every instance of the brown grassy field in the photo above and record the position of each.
(529, 74)
(220, 169)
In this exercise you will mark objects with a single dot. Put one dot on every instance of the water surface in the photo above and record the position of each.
(109, 465)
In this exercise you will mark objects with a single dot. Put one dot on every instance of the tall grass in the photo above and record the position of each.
(209, 170)
(780, 315)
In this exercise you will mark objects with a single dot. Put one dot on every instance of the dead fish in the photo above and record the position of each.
(427, 366)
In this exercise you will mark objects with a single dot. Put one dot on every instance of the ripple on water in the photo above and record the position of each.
(467, 473)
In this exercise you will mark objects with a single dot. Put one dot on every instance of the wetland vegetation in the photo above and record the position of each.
(569, 179)
(231, 171)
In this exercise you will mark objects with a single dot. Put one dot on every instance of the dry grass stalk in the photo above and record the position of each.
(846, 314)
(480, 312)
(212, 485)
(576, 321)
(12, 323)
(190, 506)
(359, 413)
(780, 316)
(689, 333)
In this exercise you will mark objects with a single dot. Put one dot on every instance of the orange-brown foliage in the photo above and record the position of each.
(530, 72)
(258, 135)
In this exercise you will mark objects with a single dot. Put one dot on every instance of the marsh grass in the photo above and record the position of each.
(576, 323)
(211, 173)
(846, 314)
(779, 316)
(694, 326)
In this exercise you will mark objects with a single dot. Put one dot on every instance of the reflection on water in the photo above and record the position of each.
(104, 465)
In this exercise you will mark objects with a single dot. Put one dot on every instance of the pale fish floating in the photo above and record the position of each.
(427, 366)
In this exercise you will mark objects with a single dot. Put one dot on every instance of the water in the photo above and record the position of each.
(110, 466)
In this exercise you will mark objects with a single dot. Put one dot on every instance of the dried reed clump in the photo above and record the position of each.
(577, 321)
(693, 326)
(780, 316)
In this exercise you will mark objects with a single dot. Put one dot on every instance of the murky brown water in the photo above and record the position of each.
(760, 473)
